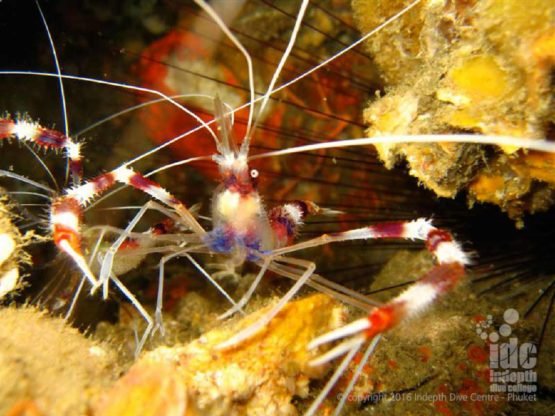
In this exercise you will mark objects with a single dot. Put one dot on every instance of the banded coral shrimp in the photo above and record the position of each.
(52, 135)
(351, 143)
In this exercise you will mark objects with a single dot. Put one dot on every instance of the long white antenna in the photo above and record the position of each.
(75, 179)
(204, 124)
(223, 26)
(530, 144)
(270, 91)
(58, 69)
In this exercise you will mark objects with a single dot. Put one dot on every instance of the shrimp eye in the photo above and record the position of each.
(254, 173)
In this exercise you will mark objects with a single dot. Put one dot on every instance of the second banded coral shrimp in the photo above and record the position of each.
(245, 231)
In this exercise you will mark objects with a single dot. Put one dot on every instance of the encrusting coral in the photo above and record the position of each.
(47, 367)
(12, 255)
(479, 66)
(257, 377)
(55, 370)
